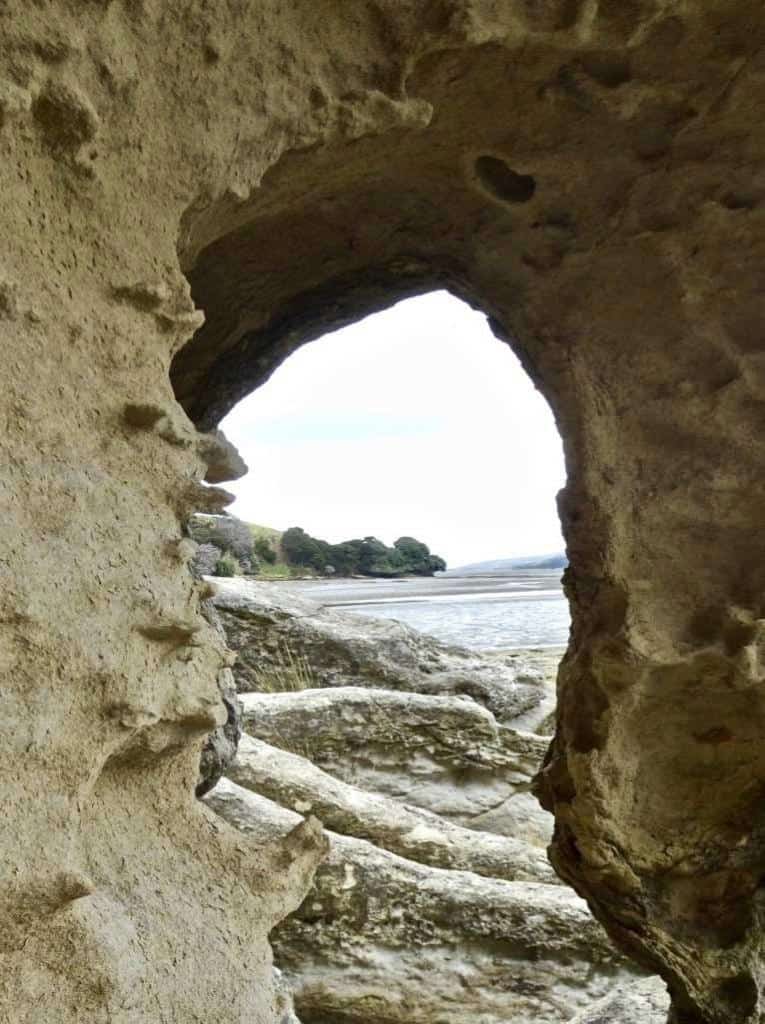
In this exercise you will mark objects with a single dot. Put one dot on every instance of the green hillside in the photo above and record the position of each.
(267, 553)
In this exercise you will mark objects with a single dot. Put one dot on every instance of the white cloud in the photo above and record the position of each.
(415, 420)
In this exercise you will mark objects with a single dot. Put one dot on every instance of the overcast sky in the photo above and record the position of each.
(413, 421)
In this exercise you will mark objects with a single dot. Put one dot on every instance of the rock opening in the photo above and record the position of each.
(502, 182)
(303, 165)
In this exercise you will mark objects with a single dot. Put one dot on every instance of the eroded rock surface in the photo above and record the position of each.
(189, 193)
(437, 902)
(295, 782)
(382, 939)
(435, 725)
(266, 624)
(636, 1002)
(448, 755)
(221, 744)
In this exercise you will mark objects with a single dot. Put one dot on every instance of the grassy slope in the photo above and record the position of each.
(270, 534)
(279, 570)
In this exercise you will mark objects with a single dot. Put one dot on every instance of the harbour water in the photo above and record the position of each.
(517, 609)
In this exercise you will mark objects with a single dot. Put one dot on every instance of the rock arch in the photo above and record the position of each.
(586, 172)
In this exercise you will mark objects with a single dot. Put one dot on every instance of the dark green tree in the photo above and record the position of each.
(417, 558)
(264, 551)
(303, 550)
(345, 557)
(366, 557)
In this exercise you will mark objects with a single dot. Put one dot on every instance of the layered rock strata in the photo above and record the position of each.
(448, 755)
(422, 882)
(448, 735)
(382, 939)
(192, 191)
(295, 782)
(267, 624)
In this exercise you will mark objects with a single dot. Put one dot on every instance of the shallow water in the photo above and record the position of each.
(513, 610)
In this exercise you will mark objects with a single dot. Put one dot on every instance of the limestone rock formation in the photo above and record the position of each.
(448, 755)
(192, 191)
(221, 744)
(295, 782)
(425, 796)
(385, 940)
(221, 457)
(636, 1002)
(473, 770)
(205, 559)
(263, 622)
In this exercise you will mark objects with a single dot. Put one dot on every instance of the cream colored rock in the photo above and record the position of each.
(381, 939)
(295, 783)
(587, 173)
(221, 457)
(447, 755)
(263, 621)
(637, 1002)
(285, 1004)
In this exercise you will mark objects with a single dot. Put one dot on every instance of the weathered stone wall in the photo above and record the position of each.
(589, 173)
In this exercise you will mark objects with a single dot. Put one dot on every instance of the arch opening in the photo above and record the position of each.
(471, 800)
(325, 165)
(587, 281)
(414, 421)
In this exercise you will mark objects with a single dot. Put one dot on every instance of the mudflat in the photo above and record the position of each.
(520, 609)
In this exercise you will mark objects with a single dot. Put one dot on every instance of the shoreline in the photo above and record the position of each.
(515, 612)
(358, 591)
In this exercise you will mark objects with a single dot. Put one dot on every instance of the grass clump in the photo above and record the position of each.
(227, 565)
(289, 672)
(282, 571)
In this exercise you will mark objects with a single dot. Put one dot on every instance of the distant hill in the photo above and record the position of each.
(558, 561)
(497, 566)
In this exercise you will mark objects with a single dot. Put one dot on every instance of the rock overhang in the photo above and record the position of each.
(304, 168)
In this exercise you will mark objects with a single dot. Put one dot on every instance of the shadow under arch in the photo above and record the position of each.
(336, 233)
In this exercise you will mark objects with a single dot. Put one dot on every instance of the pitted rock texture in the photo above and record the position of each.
(637, 1002)
(266, 623)
(403, 779)
(190, 192)
(382, 939)
(221, 744)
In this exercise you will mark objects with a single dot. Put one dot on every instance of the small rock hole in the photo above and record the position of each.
(608, 69)
(502, 182)
(740, 994)
(739, 200)
(737, 636)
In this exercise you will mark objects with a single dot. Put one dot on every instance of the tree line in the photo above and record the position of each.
(365, 556)
(226, 547)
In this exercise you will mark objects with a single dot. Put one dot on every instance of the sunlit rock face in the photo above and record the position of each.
(383, 939)
(637, 1002)
(437, 901)
(589, 174)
